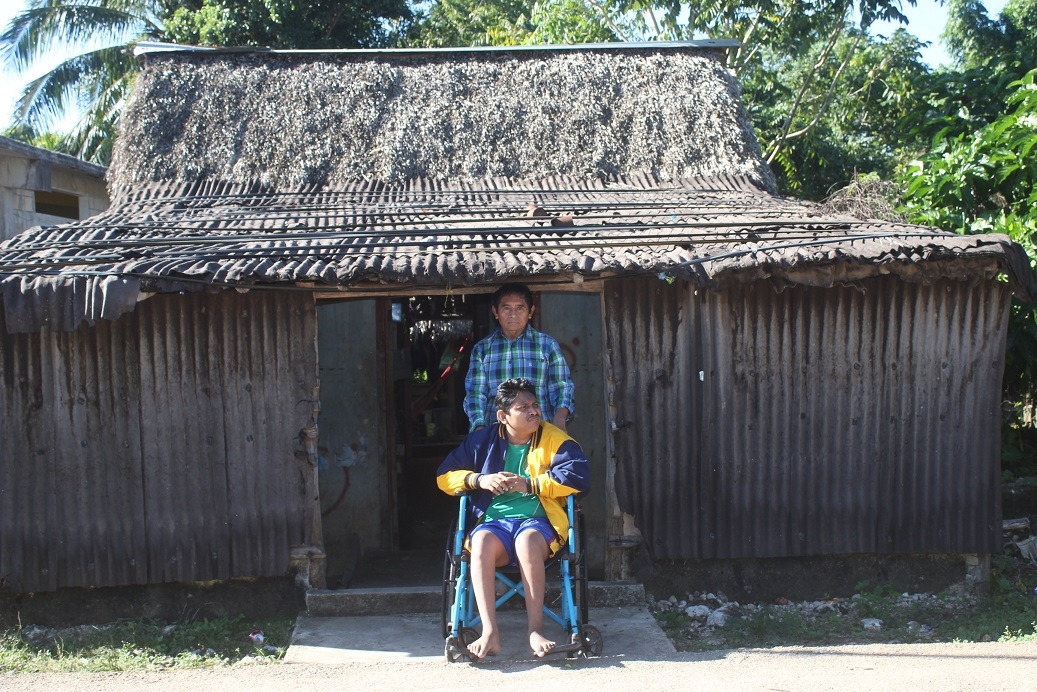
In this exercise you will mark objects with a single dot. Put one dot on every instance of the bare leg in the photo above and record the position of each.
(488, 553)
(531, 550)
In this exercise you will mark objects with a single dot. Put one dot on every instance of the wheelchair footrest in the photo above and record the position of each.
(570, 648)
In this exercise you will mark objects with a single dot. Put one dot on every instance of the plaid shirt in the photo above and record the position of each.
(534, 356)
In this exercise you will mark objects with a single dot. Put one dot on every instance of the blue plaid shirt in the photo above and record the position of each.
(534, 356)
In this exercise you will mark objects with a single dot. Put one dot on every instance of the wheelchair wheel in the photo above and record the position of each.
(450, 571)
(591, 642)
(456, 648)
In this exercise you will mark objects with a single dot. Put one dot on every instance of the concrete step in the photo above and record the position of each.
(399, 600)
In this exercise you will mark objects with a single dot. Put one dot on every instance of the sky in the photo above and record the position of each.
(926, 21)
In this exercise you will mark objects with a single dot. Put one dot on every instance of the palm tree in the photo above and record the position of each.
(97, 74)
(98, 36)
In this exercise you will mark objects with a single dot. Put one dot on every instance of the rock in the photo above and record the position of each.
(714, 600)
(37, 634)
(716, 619)
(731, 609)
(873, 624)
(699, 612)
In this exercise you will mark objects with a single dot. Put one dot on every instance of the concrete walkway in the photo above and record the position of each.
(417, 637)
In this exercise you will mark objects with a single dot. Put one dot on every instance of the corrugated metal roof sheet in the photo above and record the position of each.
(157, 47)
(431, 233)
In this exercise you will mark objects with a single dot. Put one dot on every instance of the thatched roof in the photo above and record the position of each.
(396, 171)
(432, 234)
(298, 118)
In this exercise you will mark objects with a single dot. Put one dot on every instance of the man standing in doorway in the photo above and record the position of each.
(517, 350)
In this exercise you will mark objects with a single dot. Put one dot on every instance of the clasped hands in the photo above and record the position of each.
(503, 482)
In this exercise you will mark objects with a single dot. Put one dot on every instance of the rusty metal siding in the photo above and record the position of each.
(827, 421)
(159, 447)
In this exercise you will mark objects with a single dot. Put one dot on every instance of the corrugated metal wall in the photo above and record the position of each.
(825, 421)
(160, 447)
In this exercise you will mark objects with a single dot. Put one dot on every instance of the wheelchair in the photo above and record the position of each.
(461, 617)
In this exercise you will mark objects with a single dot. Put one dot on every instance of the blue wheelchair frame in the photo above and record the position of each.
(460, 615)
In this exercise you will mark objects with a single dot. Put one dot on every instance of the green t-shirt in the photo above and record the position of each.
(517, 505)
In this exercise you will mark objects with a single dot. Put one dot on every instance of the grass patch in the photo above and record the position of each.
(136, 645)
(1009, 613)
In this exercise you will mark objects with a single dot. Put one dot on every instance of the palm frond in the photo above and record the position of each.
(92, 136)
(74, 82)
(39, 29)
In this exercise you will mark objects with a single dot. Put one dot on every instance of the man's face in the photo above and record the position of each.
(523, 417)
(513, 314)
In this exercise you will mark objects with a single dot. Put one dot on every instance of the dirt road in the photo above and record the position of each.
(914, 667)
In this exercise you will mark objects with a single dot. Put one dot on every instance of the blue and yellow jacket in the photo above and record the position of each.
(557, 468)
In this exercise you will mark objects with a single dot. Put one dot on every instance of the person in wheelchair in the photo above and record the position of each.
(520, 471)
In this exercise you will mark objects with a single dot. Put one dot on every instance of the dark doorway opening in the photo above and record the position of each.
(385, 521)
(429, 339)
(436, 334)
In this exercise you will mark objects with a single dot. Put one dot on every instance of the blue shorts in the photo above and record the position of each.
(507, 530)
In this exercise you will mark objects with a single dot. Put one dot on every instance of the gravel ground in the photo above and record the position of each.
(949, 667)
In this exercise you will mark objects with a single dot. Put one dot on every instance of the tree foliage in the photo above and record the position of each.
(97, 76)
(794, 61)
(289, 24)
(44, 140)
(986, 181)
(978, 181)
(95, 79)
(454, 23)
(989, 55)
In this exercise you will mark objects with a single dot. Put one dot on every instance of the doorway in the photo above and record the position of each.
(434, 337)
(392, 373)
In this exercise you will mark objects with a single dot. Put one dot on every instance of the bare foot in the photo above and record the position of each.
(540, 644)
(486, 645)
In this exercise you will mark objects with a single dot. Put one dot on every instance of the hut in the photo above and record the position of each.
(252, 362)
(41, 187)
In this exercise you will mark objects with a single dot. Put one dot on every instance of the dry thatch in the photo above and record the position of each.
(288, 119)
(866, 197)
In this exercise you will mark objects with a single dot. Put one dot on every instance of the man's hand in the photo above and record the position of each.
(559, 420)
(500, 483)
